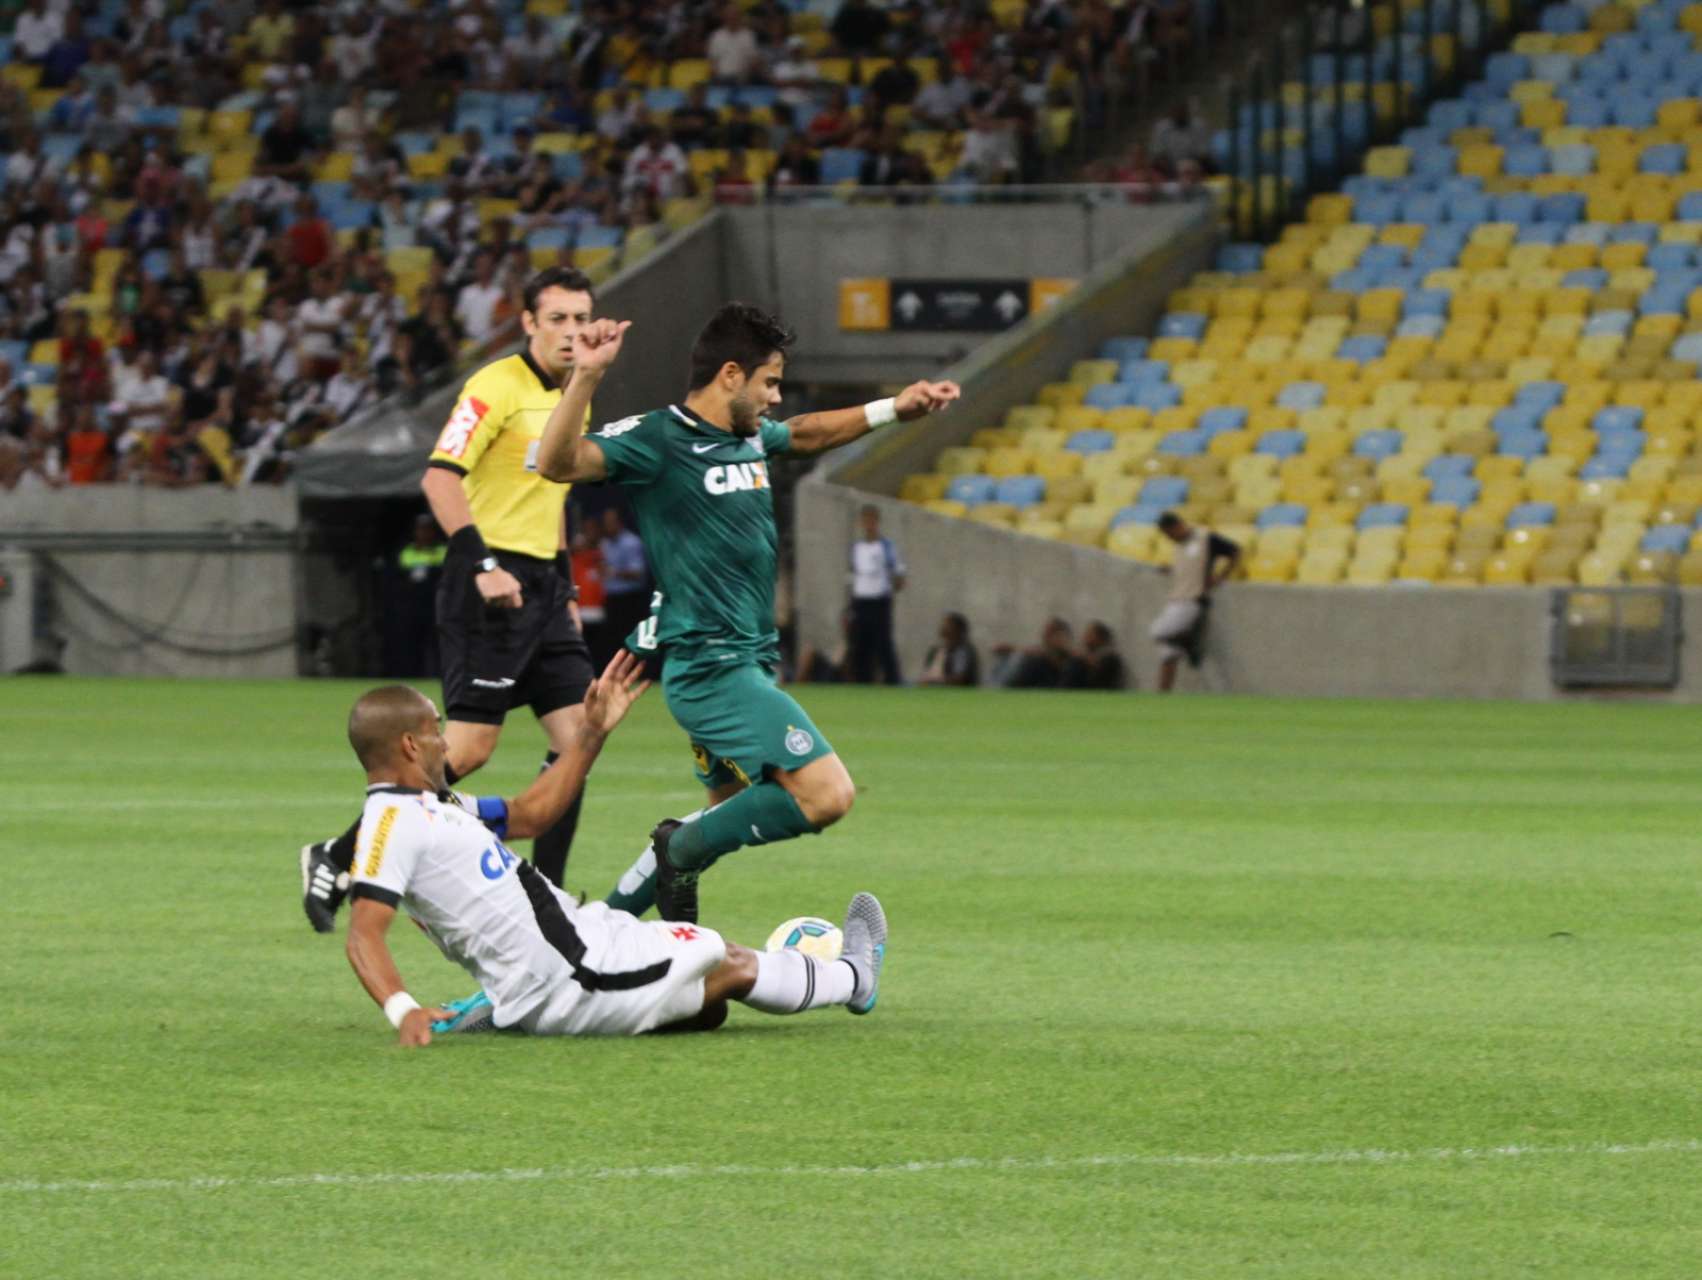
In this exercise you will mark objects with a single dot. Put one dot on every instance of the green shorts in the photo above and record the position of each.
(741, 724)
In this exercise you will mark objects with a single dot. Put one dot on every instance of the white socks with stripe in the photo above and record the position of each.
(791, 982)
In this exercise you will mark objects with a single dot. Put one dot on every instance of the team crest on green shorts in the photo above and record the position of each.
(798, 742)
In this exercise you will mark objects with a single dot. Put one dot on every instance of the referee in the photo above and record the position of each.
(508, 629)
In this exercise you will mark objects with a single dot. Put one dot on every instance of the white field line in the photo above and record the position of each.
(1007, 1164)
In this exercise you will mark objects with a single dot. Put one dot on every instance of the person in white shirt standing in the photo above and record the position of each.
(877, 575)
(734, 57)
(1204, 561)
(547, 964)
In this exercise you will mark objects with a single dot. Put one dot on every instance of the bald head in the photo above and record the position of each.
(380, 718)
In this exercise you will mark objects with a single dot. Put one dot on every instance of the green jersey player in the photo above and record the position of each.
(697, 475)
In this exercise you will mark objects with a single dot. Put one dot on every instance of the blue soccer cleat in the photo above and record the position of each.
(865, 948)
(475, 1013)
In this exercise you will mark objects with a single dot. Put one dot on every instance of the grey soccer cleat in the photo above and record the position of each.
(323, 886)
(865, 948)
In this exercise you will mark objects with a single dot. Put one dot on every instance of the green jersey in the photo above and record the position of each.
(706, 514)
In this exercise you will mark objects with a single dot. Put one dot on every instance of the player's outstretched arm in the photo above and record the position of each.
(564, 454)
(369, 956)
(610, 697)
(819, 432)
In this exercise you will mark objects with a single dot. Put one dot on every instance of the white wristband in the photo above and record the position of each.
(881, 412)
(398, 1007)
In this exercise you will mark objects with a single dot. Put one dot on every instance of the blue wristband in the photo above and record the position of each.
(493, 812)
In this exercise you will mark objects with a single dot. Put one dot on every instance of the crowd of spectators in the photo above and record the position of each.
(181, 305)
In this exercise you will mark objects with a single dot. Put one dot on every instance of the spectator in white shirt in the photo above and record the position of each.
(796, 76)
(475, 305)
(36, 31)
(734, 57)
(941, 104)
(147, 400)
(349, 391)
(620, 117)
(656, 165)
(877, 576)
(319, 324)
(532, 52)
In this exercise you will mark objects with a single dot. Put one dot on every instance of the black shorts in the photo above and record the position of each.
(497, 659)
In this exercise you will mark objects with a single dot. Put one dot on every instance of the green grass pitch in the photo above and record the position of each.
(1186, 988)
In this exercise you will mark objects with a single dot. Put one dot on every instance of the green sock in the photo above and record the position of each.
(760, 814)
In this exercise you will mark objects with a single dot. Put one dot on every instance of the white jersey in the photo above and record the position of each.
(547, 964)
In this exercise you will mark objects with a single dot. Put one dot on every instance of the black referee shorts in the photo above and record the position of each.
(497, 659)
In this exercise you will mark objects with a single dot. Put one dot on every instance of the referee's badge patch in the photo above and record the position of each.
(798, 742)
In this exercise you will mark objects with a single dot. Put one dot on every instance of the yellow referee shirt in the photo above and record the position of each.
(491, 441)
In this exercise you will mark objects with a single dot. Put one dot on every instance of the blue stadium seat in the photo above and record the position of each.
(1383, 515)
(971, 489)
(1421, 327)
(1136, 513)
(1109, 395)
(1544, 395)
(1667, 537)
(1156, 396)
(1362, 348)
(1020, 491)
(1605, 468)
(1164, 491)
(1459, 491)
(840, 164)
(1138, 373)
(1184, 444)
(1617, 418)
(1301, 396)
(1282, 514)
(1562, 206)
(1124, 349)
(1517, 417)
(1092, 442)
(1281, 444)
(1529, 514)
(1449, 465)
(1383, 443)
(1522, 444)
(1224, 418)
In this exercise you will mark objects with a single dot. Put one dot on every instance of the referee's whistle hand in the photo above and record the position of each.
(499, 587)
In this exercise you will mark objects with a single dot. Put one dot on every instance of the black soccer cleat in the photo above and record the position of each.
(323, 886)
(676, 890)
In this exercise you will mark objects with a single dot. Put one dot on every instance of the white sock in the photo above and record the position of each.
(645, 867)
(791, 982)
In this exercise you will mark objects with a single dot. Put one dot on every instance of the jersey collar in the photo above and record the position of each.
(698, 422)
(537, 369)
(391, 789)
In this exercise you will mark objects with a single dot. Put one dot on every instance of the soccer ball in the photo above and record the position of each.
(811, 935)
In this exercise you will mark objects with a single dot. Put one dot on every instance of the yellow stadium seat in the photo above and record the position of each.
(1090, 373)
(1023, 416)
(1136, 541)
(1055, 465)
(946, 507)
(686, 73)
(961, 460)
(994, 513)
(1690, 569)
(923, 487)
(1057, 394)
(1004, 462)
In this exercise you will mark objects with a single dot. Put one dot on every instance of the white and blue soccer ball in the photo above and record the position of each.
(810, 934)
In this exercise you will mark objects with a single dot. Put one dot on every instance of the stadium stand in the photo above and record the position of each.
(1474, 364)
(298, 210)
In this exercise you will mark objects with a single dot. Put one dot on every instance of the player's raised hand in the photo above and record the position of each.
(612, 694)
(598, 343)
(415, 1030)
(922, 398)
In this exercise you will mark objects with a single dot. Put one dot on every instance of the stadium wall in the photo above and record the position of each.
(1383, 642)
(156, 582)
(791, 259)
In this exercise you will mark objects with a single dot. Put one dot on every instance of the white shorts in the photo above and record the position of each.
(618, 943)
(1173, 622)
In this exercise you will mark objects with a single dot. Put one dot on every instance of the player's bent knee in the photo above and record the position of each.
(733, 978)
